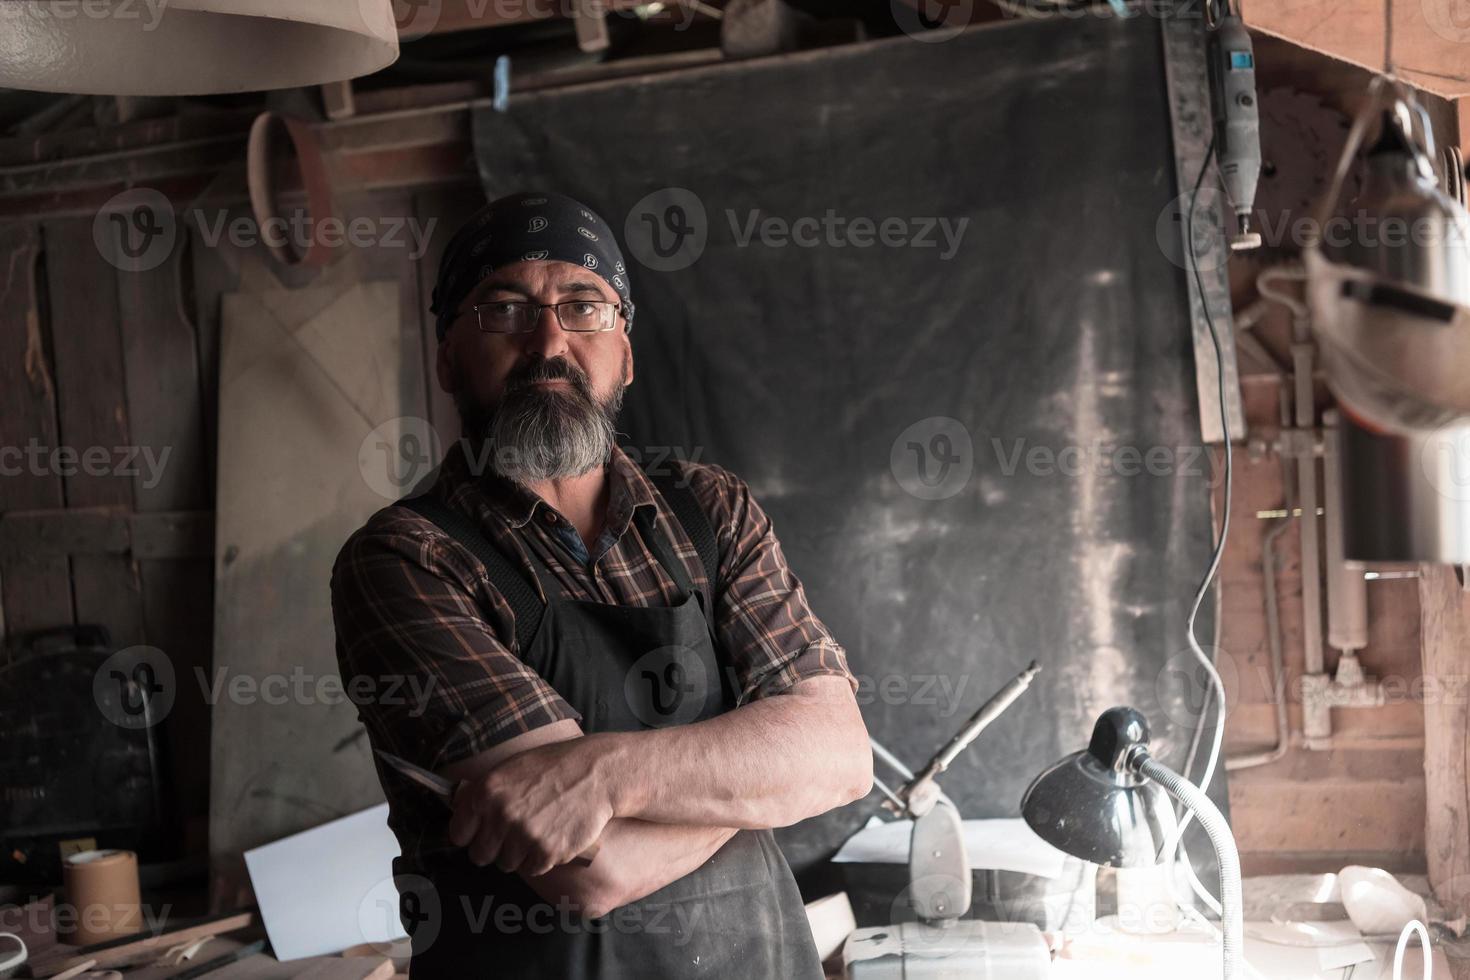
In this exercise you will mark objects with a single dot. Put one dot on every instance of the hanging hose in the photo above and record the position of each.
(1232, 919)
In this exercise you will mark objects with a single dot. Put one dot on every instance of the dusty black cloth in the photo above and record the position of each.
(521, 227)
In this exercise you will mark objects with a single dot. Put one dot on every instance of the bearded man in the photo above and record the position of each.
(624, 677)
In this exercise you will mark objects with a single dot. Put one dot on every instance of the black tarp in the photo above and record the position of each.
(1039, 369)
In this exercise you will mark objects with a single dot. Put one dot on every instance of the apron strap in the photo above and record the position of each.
(692, 518)
(514, 587)
(696, 524)
(519, 590)
(663, 550)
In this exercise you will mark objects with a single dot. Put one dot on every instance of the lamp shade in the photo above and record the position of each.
(191, 47)
(1092, 807)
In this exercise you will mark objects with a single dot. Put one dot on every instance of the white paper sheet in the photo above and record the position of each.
(328, 888)
(1324, 947)
(1004, 845)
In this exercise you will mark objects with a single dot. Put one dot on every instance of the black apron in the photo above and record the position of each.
(624, 668)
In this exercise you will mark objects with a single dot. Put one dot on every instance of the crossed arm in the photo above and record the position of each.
(660, 802)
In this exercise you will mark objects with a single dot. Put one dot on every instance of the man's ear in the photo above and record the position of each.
(627, 362)
(442, 368)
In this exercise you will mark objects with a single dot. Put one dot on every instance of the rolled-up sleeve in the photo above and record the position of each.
(763, 621)
(431, 678)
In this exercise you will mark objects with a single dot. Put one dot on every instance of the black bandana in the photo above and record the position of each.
(528, 226)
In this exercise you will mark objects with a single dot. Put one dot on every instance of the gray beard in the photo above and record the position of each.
(535, 434)
(552, 435)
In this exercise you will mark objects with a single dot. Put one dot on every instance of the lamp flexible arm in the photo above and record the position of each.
(1232, 922)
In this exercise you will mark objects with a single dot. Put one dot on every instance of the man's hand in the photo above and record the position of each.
(534, 811)
(768, 763)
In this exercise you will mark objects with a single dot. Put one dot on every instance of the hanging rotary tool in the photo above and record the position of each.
(1237, 121)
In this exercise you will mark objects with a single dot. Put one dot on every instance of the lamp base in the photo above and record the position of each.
(967, 949)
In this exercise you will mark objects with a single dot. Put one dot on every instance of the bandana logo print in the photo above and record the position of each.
(618, 267)
(589, 261)
(537, 255)
(586, 234)
(618, 282)
(538, 223)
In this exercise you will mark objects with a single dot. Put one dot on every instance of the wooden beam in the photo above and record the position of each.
(471, 15)
(395, 141)
(1444, 610)
(60, 533)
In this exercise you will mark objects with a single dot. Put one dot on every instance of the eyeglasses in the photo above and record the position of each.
(575, 316)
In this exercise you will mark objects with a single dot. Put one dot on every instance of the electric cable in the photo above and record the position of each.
(1176, 845)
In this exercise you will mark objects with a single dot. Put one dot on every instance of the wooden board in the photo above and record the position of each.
(305, 376)
(115, 954)
(261, 966)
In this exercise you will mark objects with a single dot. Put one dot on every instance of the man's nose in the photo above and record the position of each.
(546, 336)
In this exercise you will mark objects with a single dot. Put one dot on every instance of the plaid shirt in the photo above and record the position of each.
(426, 645)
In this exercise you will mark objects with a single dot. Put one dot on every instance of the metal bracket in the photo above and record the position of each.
(1186, 79)
(500, 101)
(939, 869)
(589, 17)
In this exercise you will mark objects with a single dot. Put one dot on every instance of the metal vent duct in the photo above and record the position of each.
(1389, 291)
(191, 47)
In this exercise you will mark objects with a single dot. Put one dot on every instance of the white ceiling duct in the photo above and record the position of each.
(191, 47)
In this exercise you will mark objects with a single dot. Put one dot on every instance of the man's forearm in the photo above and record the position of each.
(770, 763)
(636, 859)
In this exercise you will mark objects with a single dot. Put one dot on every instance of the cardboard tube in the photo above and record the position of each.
(102, 887)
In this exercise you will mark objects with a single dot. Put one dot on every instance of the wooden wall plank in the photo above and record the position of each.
(92, 403)
(1445, 612)
(36, 591)
(1428, 37)
(166, 418)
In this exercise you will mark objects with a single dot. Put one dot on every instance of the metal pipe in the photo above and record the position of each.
(1281, 718)
(1347, 590)
(1302, 359)
(1278, 668)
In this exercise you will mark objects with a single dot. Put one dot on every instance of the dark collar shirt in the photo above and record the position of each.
(426, 645)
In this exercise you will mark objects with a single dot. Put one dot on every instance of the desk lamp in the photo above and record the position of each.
(1107, 804)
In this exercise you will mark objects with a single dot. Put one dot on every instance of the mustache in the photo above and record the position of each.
(539, 369)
